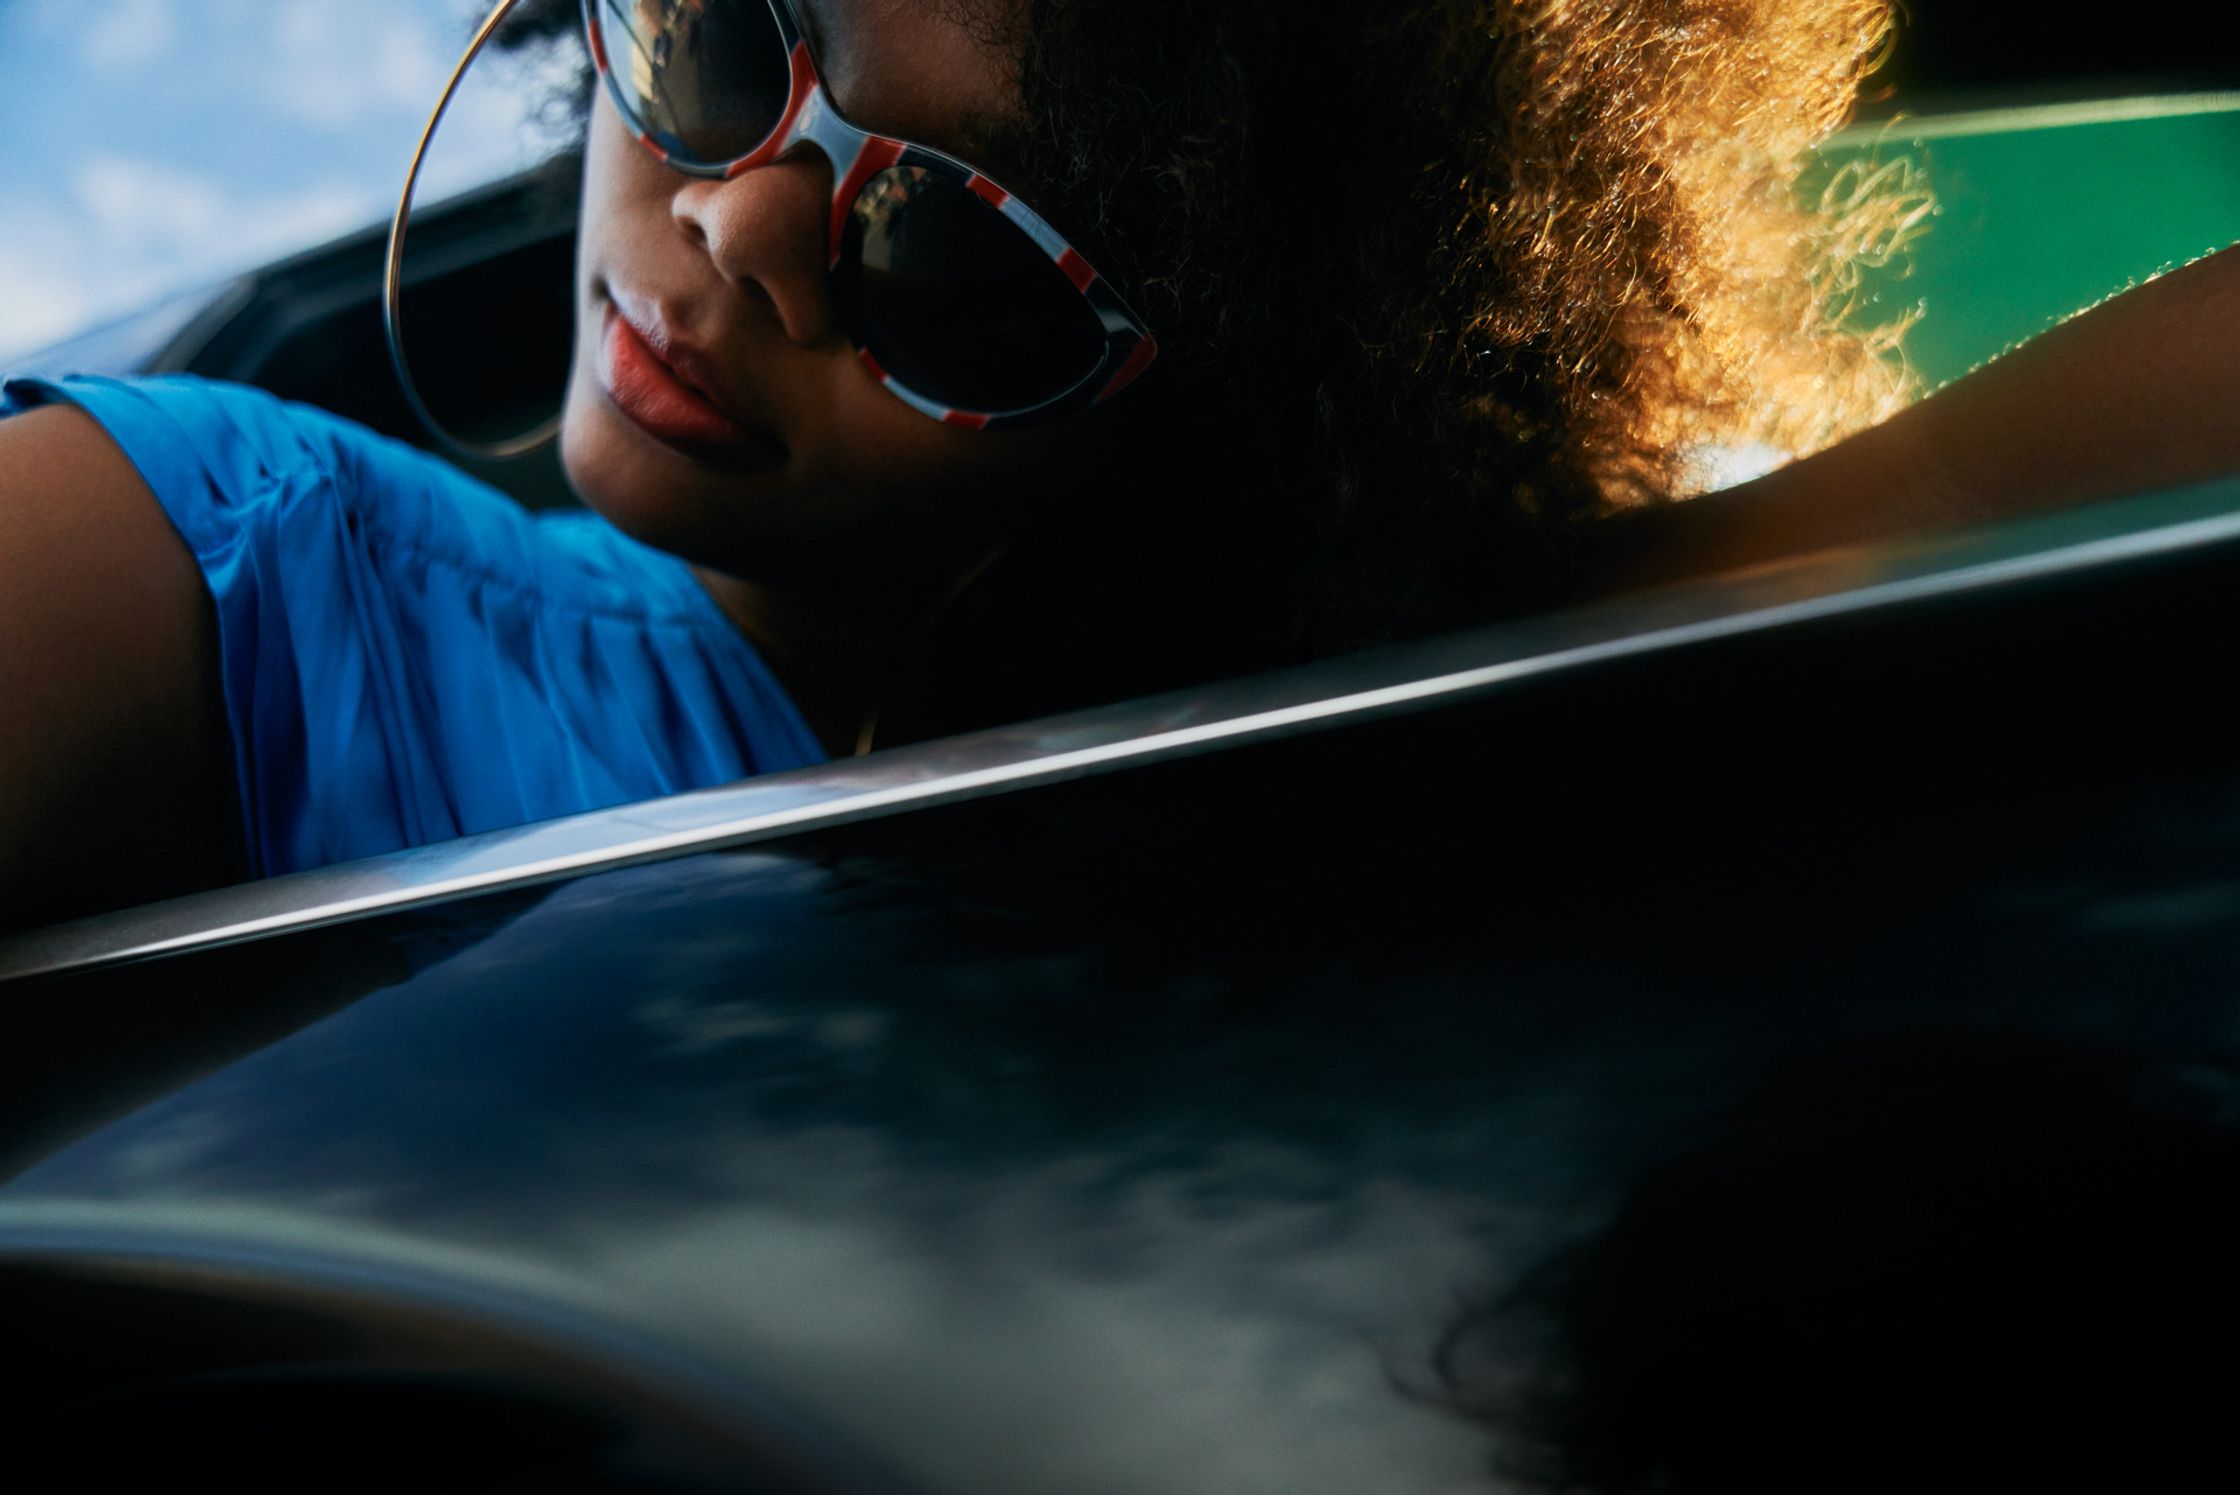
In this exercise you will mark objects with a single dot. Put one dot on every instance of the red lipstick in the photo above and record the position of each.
(659, 402)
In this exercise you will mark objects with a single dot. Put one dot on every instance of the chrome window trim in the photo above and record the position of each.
(1334, 692)
(1922, 123)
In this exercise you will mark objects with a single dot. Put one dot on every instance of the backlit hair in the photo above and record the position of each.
(1438, 283)
(1486, 268)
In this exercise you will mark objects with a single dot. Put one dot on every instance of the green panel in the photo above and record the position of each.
(2042, 212)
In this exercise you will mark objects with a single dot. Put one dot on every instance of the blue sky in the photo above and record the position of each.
(150, 146)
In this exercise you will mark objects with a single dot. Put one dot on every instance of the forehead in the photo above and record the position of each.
(940, 71)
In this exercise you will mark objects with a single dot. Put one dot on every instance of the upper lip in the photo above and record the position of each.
(689, 360)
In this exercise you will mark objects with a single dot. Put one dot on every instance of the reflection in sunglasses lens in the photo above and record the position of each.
(955, 301)
(706, 79)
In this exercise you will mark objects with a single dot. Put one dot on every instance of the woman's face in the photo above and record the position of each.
(811, 472)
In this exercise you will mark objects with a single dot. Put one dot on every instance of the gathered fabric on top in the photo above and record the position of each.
(406, 654)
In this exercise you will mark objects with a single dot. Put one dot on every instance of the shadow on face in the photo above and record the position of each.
(835, 483)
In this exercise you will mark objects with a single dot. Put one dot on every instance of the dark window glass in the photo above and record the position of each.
(956, 302)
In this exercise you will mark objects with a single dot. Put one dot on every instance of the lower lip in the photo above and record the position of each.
(663, 406)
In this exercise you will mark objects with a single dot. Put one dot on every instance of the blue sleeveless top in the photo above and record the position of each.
(408, 655)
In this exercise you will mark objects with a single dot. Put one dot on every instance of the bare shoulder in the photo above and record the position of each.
(115, 778)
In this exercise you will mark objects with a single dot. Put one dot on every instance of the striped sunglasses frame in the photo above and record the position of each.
(858, 158)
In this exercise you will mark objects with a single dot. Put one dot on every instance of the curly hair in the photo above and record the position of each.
(1484, 268)
(1438, 282)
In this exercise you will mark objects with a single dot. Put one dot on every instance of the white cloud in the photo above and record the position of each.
(142, 206)
(130, 232)
(92, 226)
(127, 35)
(46, 299)
(146, 210)
(492, 128)
(340, 64)
(337, 62)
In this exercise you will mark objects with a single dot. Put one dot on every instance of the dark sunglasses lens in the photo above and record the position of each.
(707, 79)
(956, 302)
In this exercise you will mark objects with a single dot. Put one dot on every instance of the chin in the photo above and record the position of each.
(662, 499)
(647, 493)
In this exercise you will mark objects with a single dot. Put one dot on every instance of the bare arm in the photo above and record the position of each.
(115, 776)
(2141, 392)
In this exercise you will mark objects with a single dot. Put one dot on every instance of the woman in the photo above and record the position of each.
(1392, 309)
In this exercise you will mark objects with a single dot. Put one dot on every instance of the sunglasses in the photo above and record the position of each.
(958, 297)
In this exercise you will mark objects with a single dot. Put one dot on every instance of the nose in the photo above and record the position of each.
(765, 230)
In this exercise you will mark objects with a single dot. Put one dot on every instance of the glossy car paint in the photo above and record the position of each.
(1145, 1131)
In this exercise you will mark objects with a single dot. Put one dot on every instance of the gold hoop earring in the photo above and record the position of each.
(392, 281)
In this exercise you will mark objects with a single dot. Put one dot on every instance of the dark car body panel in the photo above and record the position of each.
(1144, 1130)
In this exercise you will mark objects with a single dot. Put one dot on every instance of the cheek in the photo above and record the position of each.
(625, 194)
(868, 482)
(877, 489)
(881, 445)
(895, 481)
